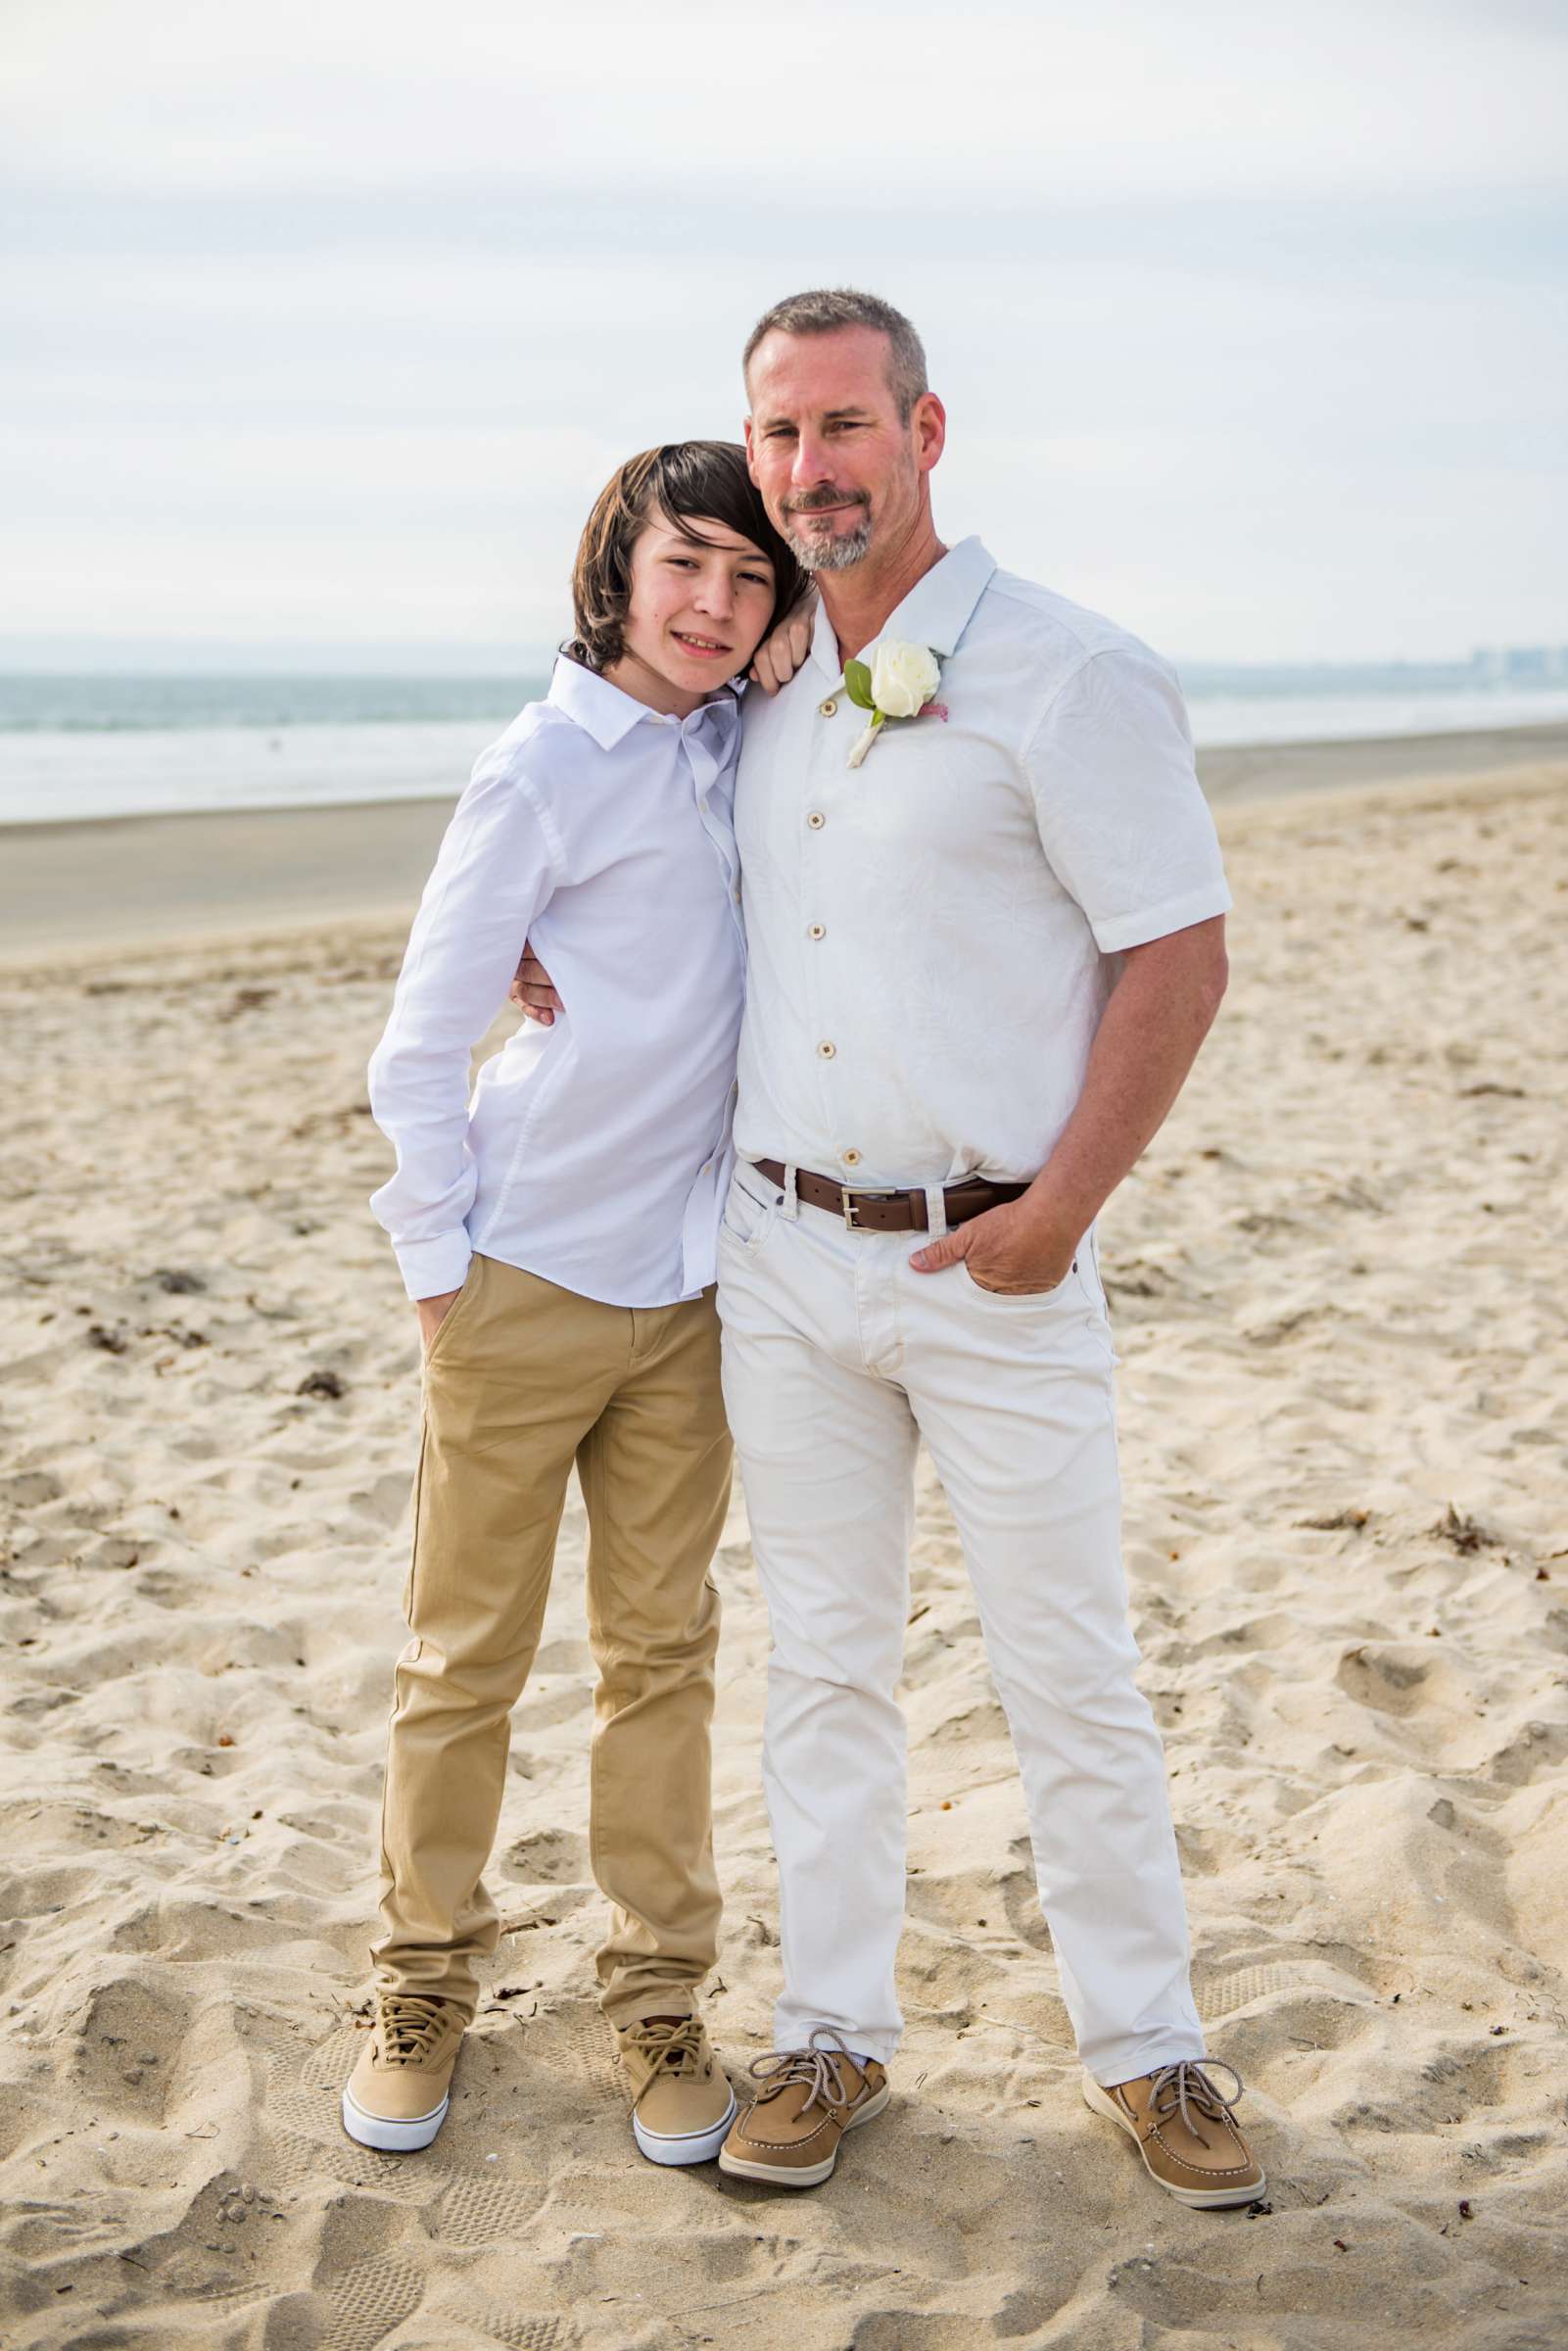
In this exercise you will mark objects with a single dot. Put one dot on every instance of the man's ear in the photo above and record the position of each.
(929, 423)
(751, 463)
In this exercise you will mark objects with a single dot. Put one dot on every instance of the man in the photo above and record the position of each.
(923, 1142)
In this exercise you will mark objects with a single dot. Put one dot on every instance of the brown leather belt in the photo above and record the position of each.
(892, 1211)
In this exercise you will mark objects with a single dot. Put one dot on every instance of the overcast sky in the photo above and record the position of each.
(326, 322)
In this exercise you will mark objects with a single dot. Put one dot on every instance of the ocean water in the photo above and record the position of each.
(75, 748)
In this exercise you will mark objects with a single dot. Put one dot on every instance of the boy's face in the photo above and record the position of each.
(698, 612)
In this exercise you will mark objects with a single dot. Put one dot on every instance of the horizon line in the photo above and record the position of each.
(185, 657)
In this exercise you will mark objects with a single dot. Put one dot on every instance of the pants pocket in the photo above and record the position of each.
(460, 1308)
(1014, 1300)
(750, 1208)
(414, 1537)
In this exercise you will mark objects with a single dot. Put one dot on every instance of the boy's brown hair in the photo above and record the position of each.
(687, 482)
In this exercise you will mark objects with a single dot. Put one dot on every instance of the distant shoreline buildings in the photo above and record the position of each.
(1519, 664)
(1501, 666)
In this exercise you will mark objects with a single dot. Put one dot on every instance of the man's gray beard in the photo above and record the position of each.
(836, 553)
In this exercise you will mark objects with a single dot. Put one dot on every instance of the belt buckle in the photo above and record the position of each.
(851, 1201)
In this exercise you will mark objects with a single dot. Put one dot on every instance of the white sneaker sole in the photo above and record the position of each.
(685, 2146)
(393, 2138)
(774, 2175)
(1202, 2199)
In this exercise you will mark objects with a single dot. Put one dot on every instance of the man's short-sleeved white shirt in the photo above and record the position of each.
(933, 935)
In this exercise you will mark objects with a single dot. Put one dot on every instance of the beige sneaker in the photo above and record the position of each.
(809, 2097)
(1185, 2132)
(395, 2097)
(682, 2105)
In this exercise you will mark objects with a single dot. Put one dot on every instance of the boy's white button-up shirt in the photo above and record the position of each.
(933, 935)
(596, 1152)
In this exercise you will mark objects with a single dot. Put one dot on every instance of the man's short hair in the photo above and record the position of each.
(829, 308)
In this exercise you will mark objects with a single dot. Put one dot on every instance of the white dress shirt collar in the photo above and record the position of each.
(935, 612)
(607, 712)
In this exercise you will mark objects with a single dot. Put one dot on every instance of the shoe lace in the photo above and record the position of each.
(669, 2047)
(409, 2027)
(817, 2068)
(1185, 2088)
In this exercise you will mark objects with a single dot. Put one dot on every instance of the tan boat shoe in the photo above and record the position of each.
(682, 2104)
(395, 2097)
(809, 2097)
(1185, 2132)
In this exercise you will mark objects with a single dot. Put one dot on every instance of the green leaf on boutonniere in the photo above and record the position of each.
(856, 685)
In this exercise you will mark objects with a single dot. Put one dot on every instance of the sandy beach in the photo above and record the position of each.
(1337, 1280)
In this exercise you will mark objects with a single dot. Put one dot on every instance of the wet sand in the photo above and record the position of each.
(117, 881)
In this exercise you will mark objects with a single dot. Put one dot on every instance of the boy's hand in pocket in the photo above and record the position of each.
(433, 1311)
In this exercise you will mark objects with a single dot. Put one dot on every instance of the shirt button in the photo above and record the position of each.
(825, 1051)
(816, 930)
(736, 893)
(816, 820)
(828, 708)
(851, 1158)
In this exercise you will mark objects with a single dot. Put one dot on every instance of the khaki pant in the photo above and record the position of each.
(522, 1379)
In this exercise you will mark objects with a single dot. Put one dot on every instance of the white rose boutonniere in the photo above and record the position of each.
(898, 682)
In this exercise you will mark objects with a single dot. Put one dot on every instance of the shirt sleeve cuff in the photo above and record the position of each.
(1124, 931)
(430, 1268)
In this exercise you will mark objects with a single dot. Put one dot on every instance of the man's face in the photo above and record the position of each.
(838, 470)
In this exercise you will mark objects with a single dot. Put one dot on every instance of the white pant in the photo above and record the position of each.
(837, 1357)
